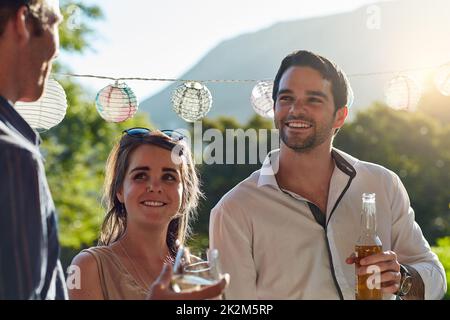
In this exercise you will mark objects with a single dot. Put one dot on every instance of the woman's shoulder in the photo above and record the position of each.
(88, 257)
(90, 271)
(98, 250)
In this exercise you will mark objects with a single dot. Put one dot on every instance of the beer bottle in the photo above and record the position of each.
(367, 286)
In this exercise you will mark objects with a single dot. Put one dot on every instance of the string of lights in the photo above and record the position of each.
(192, 100)
(406, 70)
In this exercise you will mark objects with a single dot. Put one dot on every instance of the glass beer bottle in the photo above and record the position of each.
(368, 244)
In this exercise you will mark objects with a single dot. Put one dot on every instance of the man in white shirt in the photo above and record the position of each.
(288, 230)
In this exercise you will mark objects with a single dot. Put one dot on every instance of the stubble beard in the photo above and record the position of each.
(308, 143)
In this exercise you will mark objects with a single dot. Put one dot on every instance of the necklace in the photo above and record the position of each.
(141, 283)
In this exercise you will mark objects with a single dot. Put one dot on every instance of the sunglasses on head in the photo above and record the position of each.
(142, 132)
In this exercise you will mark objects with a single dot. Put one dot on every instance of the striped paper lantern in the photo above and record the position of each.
(261, 99)
(116, 102)
(48, 111)
(191, 101)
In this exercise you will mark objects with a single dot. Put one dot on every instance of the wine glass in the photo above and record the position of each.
(192, 273)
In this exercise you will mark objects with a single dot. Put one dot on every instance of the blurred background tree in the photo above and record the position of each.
(77, 149)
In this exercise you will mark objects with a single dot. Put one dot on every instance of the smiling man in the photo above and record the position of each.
(288, 230)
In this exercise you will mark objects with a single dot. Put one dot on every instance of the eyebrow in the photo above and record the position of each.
(145, 168)
(309, 93)
(284, 91)
(317, 93)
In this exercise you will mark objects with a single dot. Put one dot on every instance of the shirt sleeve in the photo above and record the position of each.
(231, 234)
(22, 250)
(411, 246)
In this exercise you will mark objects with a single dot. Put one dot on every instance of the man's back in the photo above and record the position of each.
(29, 266)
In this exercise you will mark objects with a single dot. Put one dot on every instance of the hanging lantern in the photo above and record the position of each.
(261, 99)
(191, 101)
(116, 102)
(402, 93)
(48, 111)
(442, 79)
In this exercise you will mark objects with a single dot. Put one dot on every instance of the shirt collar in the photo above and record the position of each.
(269, 169)
(13, 119)
(345, 162)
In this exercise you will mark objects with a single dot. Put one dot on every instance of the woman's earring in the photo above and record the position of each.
(122, 209)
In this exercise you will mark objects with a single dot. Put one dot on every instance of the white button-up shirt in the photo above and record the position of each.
(273, 247)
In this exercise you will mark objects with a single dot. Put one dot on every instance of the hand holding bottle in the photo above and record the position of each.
(388, 266)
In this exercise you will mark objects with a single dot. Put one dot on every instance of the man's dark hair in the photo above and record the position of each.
(8, 8)
(340, 87)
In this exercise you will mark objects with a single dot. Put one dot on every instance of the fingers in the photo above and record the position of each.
(351, 259)
(378, 258)
(164, 277)
(390, 287)
(393, 266)
(160, 290)
(389, 281)
(209, 292)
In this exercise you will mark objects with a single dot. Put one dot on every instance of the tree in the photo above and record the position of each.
(218, 179)
(76, 150)
(416, 147)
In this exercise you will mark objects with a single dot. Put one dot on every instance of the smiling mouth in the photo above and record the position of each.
(153, 203)
(298, 125)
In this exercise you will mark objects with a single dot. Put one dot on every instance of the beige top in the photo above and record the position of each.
(116, 282)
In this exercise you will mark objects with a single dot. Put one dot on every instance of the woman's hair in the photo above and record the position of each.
(115, 222)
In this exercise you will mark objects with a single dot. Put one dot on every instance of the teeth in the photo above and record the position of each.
(153, 203)
(298, 125)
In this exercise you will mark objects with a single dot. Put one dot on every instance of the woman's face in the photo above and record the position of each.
(152, 188)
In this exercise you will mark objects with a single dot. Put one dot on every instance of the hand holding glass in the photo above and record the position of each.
(192, 276)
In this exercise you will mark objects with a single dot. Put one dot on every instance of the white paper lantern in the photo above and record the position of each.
(402, 93)
(48, 111)
(442, 79)
(116, 102)
(261, 99)
(191, 101)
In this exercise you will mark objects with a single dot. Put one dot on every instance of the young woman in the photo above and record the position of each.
(151, 191)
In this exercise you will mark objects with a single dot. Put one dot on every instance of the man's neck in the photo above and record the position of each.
(9, 71)
(307, 173)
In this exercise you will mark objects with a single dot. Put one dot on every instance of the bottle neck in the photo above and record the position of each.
(368, 218)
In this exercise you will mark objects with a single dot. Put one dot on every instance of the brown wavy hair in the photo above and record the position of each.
(115, 222)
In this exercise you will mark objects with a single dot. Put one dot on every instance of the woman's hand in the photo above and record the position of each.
(160, 289)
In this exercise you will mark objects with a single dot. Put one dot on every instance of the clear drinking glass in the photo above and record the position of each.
(191, 273)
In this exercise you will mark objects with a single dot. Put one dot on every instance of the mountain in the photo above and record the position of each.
(385, 36)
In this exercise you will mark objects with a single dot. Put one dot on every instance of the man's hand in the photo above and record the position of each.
(389, 268)
(160, 289)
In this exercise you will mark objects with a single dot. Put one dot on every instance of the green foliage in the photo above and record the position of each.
(75, 29)
(199, 244)
(443, 252)
(76, 150)
(218, 179)
(416, 147)
(76, 153)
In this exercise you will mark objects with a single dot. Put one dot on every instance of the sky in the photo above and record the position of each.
(164, 39)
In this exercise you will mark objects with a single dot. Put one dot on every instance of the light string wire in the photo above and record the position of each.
(230, 80)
